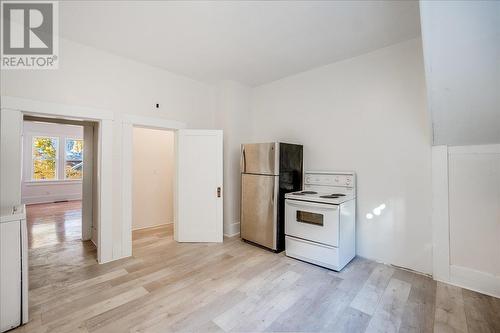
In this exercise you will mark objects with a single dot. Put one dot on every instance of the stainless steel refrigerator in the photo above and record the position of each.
(268, 171)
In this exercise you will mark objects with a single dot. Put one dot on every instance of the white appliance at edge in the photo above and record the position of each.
(320, 220)
(13, 268)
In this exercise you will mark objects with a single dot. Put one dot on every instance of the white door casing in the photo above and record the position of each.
(12, 111)
(198, 194)
(128, 123)
(87, 183)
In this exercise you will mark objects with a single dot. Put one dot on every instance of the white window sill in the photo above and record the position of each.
(52, 182)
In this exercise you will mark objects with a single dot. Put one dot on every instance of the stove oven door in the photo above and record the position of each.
(312, 221)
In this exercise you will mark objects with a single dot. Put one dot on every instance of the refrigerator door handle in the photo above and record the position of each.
(243, 160)
(274, 193)
(275, 150)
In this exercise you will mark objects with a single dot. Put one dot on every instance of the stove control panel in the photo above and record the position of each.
(329, 179)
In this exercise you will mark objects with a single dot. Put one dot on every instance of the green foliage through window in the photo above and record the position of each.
(45, 158)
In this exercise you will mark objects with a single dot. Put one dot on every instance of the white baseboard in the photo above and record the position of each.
(232, 229)
(393, 265)
(481, 282)
(151, 226)
(50, 198)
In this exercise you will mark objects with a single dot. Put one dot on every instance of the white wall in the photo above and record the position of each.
(100, 80)
(474, 203)
(474, 217)
(48, 191)
(94, 78)
(153, 175)
(466, 218)
(233, 117)
(366, 114)
(462, 56)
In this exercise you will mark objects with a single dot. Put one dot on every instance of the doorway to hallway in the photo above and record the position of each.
(153, 172)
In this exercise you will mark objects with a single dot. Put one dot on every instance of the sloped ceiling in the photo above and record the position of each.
(461, 41)
(252, 42)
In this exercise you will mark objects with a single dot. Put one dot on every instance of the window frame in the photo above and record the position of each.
(56, 159)
(66, 138)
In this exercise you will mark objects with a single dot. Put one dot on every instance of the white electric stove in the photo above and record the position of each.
(320, 221)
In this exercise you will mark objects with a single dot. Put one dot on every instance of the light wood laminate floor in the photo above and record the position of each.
(168, 286)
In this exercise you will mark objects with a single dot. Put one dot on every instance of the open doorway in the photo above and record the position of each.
(57, 174)
(153, 165)
(52, 182)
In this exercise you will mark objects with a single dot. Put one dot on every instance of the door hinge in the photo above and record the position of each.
(218, 192)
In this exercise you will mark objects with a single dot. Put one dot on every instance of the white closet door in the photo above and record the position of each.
(198, 207)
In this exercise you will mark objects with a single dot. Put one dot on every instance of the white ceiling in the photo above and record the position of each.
(249, 42)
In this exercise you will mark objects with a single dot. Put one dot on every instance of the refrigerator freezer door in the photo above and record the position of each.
(259, 202)
(260, 158)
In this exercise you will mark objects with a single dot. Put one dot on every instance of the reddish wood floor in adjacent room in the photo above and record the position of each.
(55, 243)
(54, 223)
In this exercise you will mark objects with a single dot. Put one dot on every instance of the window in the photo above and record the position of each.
(311, 218)
(45, 151)
(73, 159)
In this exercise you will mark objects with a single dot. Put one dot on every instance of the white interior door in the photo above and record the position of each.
(198, 190)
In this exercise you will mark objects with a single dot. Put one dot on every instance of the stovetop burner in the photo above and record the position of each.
(305, 192)
(332, 196)
(325, 196)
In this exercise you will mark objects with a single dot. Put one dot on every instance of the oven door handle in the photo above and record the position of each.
(301, 204)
